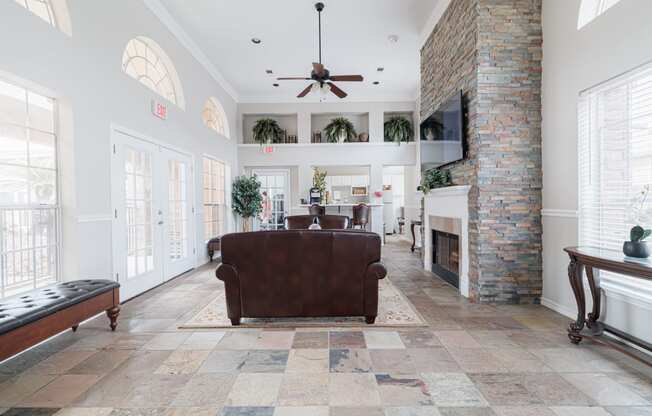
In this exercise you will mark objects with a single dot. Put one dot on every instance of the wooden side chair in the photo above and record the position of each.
(360, 216)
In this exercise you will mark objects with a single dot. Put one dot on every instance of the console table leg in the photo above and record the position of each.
(575, 277)
(414, 239)
(594, 315)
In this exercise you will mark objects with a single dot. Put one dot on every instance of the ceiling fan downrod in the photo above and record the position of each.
(319, 6)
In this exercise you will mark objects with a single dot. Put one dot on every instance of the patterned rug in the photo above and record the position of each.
(394, 310)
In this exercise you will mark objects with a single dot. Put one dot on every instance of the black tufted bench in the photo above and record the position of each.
(29, 318)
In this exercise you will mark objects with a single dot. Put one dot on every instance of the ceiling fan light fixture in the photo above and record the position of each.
(392, 38)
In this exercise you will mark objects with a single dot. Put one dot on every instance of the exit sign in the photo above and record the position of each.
(268, 149)
(160, 110)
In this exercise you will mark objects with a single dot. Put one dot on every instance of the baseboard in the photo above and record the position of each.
(559, 308)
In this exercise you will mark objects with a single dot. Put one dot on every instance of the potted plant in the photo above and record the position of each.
(434, 178)
(247, 200)
(319, 181)
(267, 130)
(340, 129)
(637, 246)
(398, 129)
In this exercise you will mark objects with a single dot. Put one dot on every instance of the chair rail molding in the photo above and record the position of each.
(560, 213)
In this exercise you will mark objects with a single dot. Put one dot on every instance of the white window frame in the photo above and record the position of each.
(227, 198)
(31, 88)
(604, 202)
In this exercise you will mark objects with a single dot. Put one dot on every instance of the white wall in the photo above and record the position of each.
(83, 72)
(304, 155)
(573, 60)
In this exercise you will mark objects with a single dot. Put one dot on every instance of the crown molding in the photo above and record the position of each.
(182, 36)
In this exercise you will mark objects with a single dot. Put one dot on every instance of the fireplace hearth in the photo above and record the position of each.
(446, 257)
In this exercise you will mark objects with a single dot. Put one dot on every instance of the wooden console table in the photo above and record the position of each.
(590, 258)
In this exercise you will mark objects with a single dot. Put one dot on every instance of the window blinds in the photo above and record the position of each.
(615, 157)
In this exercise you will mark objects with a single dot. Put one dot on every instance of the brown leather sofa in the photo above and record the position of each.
(301, 273)
(327, 222)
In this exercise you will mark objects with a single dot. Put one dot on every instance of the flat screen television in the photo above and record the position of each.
(442, 134)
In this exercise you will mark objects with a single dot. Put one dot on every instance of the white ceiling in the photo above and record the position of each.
(354, 40)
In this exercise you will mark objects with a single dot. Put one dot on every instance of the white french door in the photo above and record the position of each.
(151, 191)
(178, 235)
(275, 189)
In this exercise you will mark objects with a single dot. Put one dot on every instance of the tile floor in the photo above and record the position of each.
(472, 360)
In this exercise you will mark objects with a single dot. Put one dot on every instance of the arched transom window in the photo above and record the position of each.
(144, 60)
(214, 117)
(54, 12)
(590, 9)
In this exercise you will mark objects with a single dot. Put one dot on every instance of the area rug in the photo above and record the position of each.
(394, 310)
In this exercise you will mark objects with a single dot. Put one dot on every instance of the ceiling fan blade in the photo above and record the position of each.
(305, 92)
(318, 68)
(335, 90)
(293, 78)
(357, 78)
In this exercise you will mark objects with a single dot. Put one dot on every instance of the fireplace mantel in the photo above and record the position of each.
(451, 202)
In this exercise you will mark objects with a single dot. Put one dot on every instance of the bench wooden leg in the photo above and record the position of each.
(113, 316)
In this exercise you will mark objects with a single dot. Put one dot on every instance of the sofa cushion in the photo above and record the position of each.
(19, 310)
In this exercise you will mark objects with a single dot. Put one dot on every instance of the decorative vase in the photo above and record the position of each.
(638, 249)
(363, 137)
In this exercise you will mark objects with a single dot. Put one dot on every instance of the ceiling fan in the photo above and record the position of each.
(320, 75)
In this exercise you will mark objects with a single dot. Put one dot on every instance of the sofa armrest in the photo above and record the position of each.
(229, 275)
(375, 272)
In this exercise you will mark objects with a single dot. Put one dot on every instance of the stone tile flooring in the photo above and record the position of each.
(473, 360)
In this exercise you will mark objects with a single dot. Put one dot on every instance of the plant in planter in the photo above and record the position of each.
(319, 181)
(398, 129)
(637, 246)
(246, 198)
(434, 178)
(340, 129)
(267, 130)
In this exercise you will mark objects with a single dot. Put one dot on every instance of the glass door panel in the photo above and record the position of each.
(275, 190)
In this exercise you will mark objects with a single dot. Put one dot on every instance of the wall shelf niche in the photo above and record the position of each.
(287, 122)
(318, 121)
(407, 114)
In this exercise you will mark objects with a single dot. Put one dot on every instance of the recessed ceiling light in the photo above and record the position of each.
(376, 82)
(393, 38)
(276, 85)
(269, 71)
(380, 69)
(256, 41)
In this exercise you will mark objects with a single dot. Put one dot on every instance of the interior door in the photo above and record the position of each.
(137, 230)
(178, 230)
(275, 189)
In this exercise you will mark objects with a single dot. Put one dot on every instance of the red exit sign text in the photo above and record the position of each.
(160, 110)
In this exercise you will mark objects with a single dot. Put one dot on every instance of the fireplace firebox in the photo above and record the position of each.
(446, 257)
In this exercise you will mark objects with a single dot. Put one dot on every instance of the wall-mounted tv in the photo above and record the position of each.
(442, 134)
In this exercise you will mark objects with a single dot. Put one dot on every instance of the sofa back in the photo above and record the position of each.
(301, 272)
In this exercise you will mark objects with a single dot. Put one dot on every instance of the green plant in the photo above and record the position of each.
(398, 129)
(639, 233)
(434, 178)
(339, 127)
(319, 181)
(267, 130)
(246, 198)
(639, 211)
